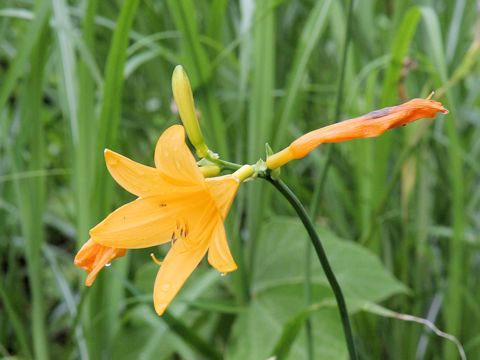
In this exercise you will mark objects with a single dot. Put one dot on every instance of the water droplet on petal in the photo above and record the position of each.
(165, 287)
(223, 274)
(108, 264)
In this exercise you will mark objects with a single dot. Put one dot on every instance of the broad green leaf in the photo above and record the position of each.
(271, 322)
(280, 252)
(257, 331)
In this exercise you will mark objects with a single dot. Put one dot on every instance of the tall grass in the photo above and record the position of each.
(400, 213)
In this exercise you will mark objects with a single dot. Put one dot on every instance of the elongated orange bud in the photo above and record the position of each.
(372, 124)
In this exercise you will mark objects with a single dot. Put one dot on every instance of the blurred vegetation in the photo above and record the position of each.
(400, 215)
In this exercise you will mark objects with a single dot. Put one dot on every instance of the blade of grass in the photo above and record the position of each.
(198, 67)
(105, 297)
(457, 261)
(311, 33)
(319, 187)
(67, 294)
(195, 58)
(260, 117)
(62, 27)
(15, 321)
(29, 40)
(194, 340)
(400, 46)
(31, 191)
(83, 159)
(111, 102)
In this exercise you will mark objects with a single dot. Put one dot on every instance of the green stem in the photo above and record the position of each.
(308, 301)
(196, 342)
(223, 164)
(322, 257)
(308, 277)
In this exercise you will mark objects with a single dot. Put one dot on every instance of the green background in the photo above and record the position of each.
(399, 215)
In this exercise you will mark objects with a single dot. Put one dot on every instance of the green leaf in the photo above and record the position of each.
(268, 319)
(272, 323)
(280, 252)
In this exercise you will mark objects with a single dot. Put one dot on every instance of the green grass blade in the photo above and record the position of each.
(108, 291)
(15, 321)
(31, 191)
(453, 300)
(62, 29)
(29, 41)
(111, 103)
(400, 47)
(309, 38)
(67, 294)
(260, 123)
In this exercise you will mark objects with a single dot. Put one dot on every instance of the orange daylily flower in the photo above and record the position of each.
(372, 124)
(176, 205)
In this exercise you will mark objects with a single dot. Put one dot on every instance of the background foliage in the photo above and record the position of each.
(400, 215)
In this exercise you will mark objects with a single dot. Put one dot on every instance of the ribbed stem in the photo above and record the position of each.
(322, 257)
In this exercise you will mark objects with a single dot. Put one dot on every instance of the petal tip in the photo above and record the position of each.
(160, 308)
(108, 153)
(110, 157)
(227, 267)
(176, 128)
(178, 69)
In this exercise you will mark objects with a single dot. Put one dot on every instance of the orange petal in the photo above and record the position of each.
(136, 178)
(369, 125)
(223, 190)
(93, 257)
(147, 221)
(174, 271)
(219, 255)
(174, 159)
(183, 258)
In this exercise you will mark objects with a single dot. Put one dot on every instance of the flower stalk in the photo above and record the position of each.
(322, 257)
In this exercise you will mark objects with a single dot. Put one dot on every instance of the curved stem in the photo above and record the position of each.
(224, 164)
(322, 257)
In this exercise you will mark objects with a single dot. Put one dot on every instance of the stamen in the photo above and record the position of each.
(181, 233)
(429, 97)
(155, 260)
